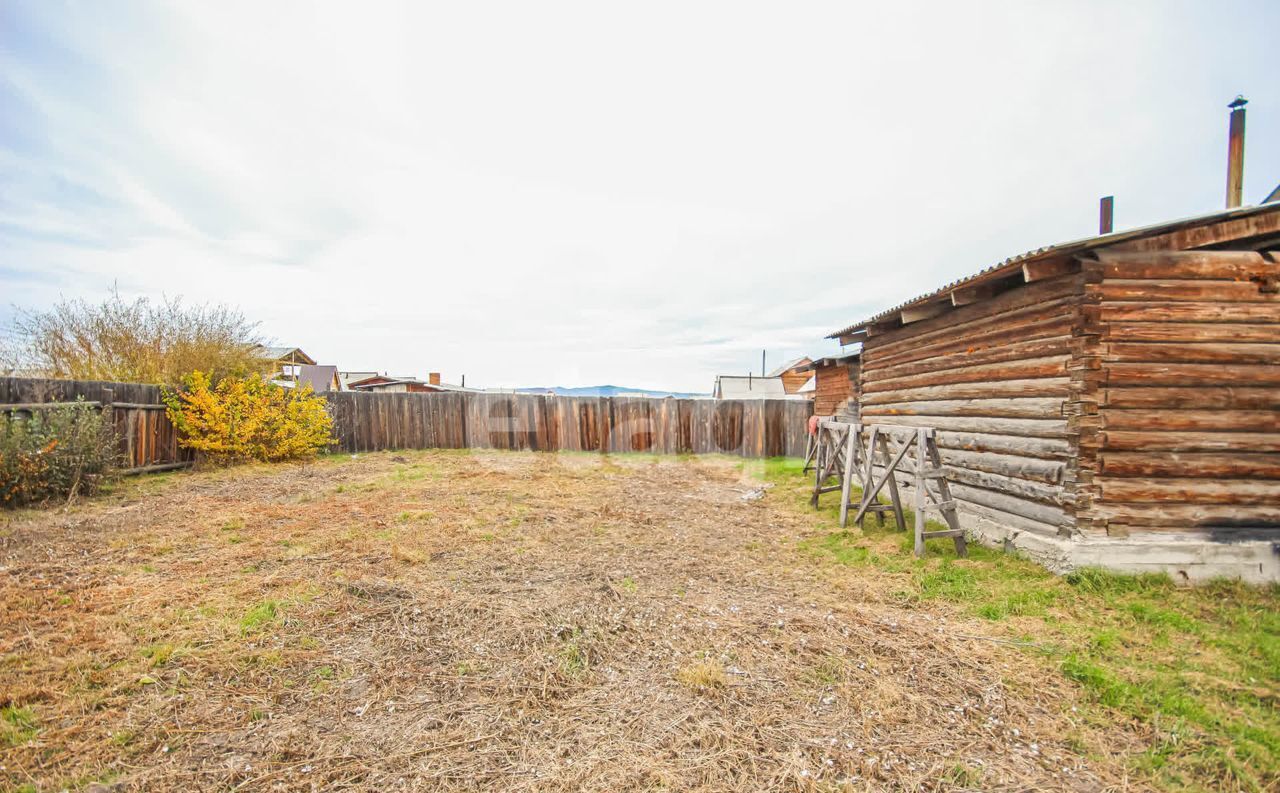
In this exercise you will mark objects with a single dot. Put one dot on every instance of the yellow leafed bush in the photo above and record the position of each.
(248, 418)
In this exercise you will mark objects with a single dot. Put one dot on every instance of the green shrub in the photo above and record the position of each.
(248, 418)
(54, 453)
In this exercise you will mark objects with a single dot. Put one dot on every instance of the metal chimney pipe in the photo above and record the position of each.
(1235, 153)
(1106, 210)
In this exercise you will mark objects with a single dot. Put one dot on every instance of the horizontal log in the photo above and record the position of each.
(1042, 513)
(1231, 291)
(970, 513)
(1205, 234)
(1017, 445)
(998, 497)
(1047, 471)
(1180, 420)
(1258, 313)
(1203, 397)
(1010, 351)
(1055, 366)
(1040, 387)
(1189, 491)
(1002, 305)
(1191, 332)
(1221, 265)
(1198, 352)
(1190, 464)
(1040, 492)
(1005, 407)
(1117, 440)
(1035, 322)
(1203, 516)
(1029, 428)
(1191, 374)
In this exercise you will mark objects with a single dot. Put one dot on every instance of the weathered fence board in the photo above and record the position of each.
(147, 437)
(536, 422)
(465, 420)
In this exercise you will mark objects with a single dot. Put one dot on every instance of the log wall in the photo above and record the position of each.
(835, 390)
(995, 378)
(1186, 436)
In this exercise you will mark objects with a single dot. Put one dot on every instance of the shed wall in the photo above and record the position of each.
(1188, 401)
(835, 390)
(994, 378)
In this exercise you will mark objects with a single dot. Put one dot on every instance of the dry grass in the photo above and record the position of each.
(497, 621)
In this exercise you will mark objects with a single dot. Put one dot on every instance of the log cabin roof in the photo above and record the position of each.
(1015, 269)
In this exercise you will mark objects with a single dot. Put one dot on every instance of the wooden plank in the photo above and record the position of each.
(1194, 420)
(1055, 366)
(1149, 463)
(1198, 352)
(1037, 387)
(1198, 332)
(1218, 265)
(1118, 440)
(998, 407)
(1201, 397)
(1191, 374)
(1190, 491)
(1201, 311)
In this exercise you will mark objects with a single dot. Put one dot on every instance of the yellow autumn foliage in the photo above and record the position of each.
(248, 418)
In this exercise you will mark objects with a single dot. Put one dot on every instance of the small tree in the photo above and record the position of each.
(136, 342)
(248, 418)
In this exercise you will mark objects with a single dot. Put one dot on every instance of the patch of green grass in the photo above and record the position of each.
(158, 654)
(233, 524)
(260, 615)
(1199, 665)
(17, 725)
(627, 585)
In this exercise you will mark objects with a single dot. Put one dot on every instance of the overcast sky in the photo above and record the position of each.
(646, 194)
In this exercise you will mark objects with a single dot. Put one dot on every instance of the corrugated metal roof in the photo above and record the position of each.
(788, 366)
(1010, 265)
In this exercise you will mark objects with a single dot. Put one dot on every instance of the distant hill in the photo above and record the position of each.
(607, 391)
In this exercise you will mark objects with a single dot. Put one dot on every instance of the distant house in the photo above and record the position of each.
(322, 379)
(835, 387)
(794, 374)
(749, 387)
(387, 384)
(347, 378)
(284, 361)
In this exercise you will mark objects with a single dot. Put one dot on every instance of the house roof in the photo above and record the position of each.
(789, 365)
(292, 354)
(320, 378)
(744, 387)
(1016, 265)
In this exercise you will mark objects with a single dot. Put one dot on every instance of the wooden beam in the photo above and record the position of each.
(972, 294)
(1039, 271)
(926, 311)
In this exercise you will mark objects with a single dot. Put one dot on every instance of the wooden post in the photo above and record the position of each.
(920, 500)
(1106, 209)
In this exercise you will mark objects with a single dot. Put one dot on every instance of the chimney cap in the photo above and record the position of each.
(1238, 102)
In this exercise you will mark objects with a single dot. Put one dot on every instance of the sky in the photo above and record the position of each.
(645, 194)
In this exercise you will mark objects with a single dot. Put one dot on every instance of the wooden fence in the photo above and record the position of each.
(749, 428)
(148, 441)
(465, 420)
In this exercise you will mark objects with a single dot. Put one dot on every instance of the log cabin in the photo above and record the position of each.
(1113, 401)
(835, 386)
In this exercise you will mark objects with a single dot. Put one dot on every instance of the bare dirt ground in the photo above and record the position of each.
(505, 621)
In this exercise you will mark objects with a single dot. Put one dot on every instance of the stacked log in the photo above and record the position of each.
(1188, 402)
